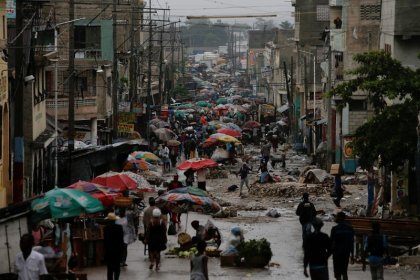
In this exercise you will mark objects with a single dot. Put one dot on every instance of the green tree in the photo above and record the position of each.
(286, 25)
(394, 93)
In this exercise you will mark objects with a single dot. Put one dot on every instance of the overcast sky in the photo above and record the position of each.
(182, 8)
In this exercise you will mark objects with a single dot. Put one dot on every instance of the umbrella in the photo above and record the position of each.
(155, 121)
(222, 100)
(230, 132)
(196, 164)
(147, 156)
(223, 138)
(164, 134)
(116, 181)
(162, 124)
(64, 203)
(173, 143)
(187, 199)
(210, 142)
(142, 184)
(234, 97)
(203, 104)
(97, 191)
(233, 126)
(252, 124)
(136, 164)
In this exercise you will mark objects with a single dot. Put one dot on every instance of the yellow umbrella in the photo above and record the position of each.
(227, 139)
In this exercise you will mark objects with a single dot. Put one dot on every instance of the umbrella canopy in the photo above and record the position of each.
(230, 132)
(97, 191)
(203, 104)
(187, 199)
(252, 124)
(155, 121)
(142, 184)
(235, 97)
(196, 164)
(222, 100)
(173, 143)
(224, 138)
(164, 134)
(162, 124)
(233, 126)
(116, 181)
(136, 164)
(64, 203)
(147, 156)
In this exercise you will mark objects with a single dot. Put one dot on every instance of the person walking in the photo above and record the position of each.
(198, 263)
(243, 173)
(306, 212)
(317, 250)
(201, 178)
(156, 239)
(164, 154)
(29, 264)
(342, 246)
(265, 151)
(189, 177)
(127, 223)
(113, 246)
(338, 188)
(173, 155)
(147, 214)
(375, 246)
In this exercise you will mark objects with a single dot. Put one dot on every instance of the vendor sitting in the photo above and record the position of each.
(209, 233)
(235, 239)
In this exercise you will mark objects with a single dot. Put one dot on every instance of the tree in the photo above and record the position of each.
(394, 93)
(286, 25)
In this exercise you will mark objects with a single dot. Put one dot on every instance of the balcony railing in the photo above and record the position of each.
(88, 54)
(336, 3)
(64, 103)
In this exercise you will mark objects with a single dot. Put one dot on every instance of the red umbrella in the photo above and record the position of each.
(252, 124)
(107, 199)
(229, 132)
(196, 164)
(97, 191)
(84, 186)
(116, 181)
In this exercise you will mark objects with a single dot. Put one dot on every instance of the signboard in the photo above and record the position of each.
(267, 110)
(11, 9)
(124, 106)
(125, 127)
(137, 108)
(126, 117)
(348, 147)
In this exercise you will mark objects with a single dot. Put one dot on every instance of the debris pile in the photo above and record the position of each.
(287, 189)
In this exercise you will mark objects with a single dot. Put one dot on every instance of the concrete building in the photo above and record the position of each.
(354, 28)
(5, 176)
(312, 20)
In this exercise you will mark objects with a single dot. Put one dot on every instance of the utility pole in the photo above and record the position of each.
(133, 53)
(292, 106)
(289, 99)
(115, 78)
(173, 34)
(306, 94)
(329, 114)
(71, 131)
(161, 60)
(149, 73)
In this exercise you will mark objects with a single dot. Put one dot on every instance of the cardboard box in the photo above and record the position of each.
(335, 169)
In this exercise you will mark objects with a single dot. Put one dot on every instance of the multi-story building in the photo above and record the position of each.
(5, 178)
(354, 28)
(312, 20)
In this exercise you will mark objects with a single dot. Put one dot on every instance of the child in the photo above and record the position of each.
(199, 263)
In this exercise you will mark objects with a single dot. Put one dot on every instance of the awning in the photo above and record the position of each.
(283, 108)
(321, 121)
(44, 139)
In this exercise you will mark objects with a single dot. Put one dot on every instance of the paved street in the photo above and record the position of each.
(283, 233)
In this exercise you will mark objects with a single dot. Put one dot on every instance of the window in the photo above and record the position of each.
(323, 13)
(370, 12)
(82, 86)
(87, 37)
(387, 48)
(357, 105)
(49, 80)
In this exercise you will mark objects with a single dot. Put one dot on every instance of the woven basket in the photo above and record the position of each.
(184, 238)
(213, 254)
(123, 201)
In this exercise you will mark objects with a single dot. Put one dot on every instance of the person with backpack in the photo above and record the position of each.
(306, 212)
(375, 247)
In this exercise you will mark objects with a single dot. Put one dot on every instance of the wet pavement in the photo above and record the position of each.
(284, 234)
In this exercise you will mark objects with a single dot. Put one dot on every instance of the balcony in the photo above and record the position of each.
(336, 3)
(338, 40)
(88, 54)
(84, 108)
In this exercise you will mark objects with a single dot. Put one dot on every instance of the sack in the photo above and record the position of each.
(72, 262)
(163, 247)
(171, 229)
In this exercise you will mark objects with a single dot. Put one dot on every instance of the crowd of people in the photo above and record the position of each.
(318, 246)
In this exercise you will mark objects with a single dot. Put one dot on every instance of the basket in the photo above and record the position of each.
(213, 254)
(123, 201)
(184, 238)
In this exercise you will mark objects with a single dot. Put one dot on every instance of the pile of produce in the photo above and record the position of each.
(187, 254)
(216, 173)
(256, 253)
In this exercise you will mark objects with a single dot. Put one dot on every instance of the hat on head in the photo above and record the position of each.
(317, 223)
(305, 195)
(156, 213)
(112, 217)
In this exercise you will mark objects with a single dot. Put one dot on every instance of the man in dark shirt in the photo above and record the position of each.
(317, 250)
(113, 246)
(306, 212)
(342, 246)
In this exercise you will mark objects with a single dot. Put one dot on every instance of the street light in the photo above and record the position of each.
(314, 94)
